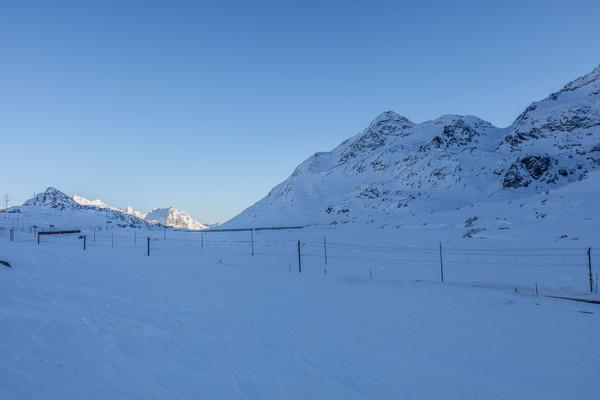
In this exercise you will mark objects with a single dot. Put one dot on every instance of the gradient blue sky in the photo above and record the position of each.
(208, 105)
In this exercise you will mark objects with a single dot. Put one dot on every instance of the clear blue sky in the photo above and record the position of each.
(208, 105)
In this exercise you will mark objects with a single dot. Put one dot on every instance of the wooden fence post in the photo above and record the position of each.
(441, 263)
(299, 259)
(589, 252)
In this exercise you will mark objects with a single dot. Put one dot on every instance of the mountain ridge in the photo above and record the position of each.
(55, 199)
(396, 168)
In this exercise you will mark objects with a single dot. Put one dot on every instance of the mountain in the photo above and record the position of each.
(97, 203)
(166, 216)
(58, 201)
(397, 172)
(55, 199)
(174, 218)
(129, 210)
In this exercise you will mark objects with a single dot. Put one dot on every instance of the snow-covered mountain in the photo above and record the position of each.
(129, 210)
(174, 218)
(58, 201)
(397, 172)
(97, 203)
(166, 216)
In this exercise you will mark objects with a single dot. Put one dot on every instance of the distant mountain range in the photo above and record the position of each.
(166, 216)
(172, 217)
(397, 172)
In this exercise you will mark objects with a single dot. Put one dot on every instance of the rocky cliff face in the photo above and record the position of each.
(399, 168)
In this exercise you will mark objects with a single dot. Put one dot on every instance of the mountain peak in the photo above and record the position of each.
(565, 116)
(389, 122)
(53, 198)
(174, 218)
(386, 125)
(86, 202)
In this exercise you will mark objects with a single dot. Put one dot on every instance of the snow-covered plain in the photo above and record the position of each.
(203, 318)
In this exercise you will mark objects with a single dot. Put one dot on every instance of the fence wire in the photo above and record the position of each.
(556, 267)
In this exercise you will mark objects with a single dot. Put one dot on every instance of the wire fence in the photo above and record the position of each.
(555, 269)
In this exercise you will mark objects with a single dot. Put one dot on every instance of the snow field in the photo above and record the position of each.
(113, 323)
(555, 270)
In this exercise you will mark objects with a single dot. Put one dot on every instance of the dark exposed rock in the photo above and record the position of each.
(471, 232)
(525, 169)
(470, 221)
(536, 165)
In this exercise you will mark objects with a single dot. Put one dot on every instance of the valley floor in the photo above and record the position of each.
(112, 323)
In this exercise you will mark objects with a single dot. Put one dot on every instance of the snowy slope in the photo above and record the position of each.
(174, 218)
(397, 171)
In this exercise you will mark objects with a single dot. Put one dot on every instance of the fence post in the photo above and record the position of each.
(441, 263)
(299, 260)
(325, 248)
(148, 247)
(38, 234)
(590, 267)
(202, 236)
(84, 237)
(252, 234)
